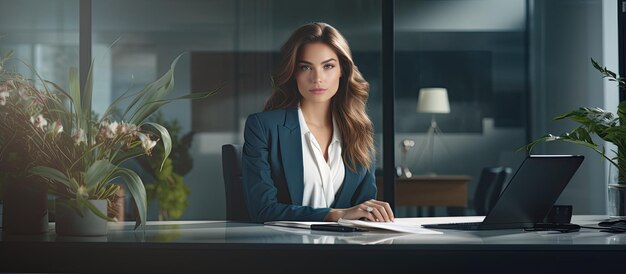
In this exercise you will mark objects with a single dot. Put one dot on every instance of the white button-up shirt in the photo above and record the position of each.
(322, 179)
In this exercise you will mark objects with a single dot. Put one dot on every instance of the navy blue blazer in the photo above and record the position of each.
(273, 171)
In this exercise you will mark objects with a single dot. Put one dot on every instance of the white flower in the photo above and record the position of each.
(125, 128)
(39, 122)
(82, 191)
(104, 125)
(55, 128)
(78, 135)
(112, 130)
(146, 142)
(3, 97)
(107, 129)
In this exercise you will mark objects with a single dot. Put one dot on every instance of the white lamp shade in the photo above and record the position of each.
(433, 100)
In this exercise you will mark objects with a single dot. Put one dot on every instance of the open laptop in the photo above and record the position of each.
(529, 196)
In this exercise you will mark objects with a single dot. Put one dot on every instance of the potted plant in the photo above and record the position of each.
(168, 189)
(607, 126)
(77, 156)
(25, 209)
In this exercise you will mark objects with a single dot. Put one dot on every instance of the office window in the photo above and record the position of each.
(476, 50)
(233, 44)
(45, 37)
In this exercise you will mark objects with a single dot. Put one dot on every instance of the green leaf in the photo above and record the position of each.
(621, 110)
(53, 174)
(107, 191)
(74, 184)
(58, 88)
(153, 100)
(596, 65)
(114, 104)
(580, 142)
(581, 137)
(129, 154)
(595, 120)
(149, 108)
(612, 74)
(98, 173)
(163, 85)
(192, 96)
(165, 138)
(138, 97)
(146, 110)
(8, 55)
(137, 189)
(615, 134)
(86, 101)
(583, 134)
(529, 147)
(74, 87)
(32, 69)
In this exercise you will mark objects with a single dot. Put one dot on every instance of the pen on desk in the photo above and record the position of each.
(335, 228)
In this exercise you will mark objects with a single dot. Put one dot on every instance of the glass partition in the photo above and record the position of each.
(227, 44)
(45, 37)
(477, 51)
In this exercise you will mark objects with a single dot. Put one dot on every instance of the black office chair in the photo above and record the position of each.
(489, 187)
(233, 183)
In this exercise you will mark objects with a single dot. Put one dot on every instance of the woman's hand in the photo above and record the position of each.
(372, 210)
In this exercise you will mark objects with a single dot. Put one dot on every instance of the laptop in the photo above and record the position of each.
(529, 196)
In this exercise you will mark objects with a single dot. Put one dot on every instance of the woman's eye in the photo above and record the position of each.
(329, 66)
(304, 67)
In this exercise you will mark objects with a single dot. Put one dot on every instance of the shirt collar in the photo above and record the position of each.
(304, 128)
(336, 135)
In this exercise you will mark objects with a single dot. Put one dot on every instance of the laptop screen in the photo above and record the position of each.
(532, 190)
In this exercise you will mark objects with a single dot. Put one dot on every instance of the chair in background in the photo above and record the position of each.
(233, 183)
(489, 187)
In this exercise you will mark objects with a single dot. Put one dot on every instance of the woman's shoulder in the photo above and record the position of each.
(272, 117)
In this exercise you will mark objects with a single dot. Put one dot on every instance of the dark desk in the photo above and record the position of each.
(430, 191)
(224, 247)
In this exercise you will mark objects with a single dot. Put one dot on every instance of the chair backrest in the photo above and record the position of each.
(489, 187)
(233, 183)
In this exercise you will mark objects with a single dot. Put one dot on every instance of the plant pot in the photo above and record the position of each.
(25, 209)
(68, 222)
(617, 201)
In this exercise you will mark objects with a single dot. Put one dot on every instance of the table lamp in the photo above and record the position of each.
(435, 101)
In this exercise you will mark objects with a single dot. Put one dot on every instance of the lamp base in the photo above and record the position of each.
(427, 146)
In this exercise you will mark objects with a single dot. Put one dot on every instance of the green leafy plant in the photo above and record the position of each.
(599, 122)
(168, 189)
(83, 162)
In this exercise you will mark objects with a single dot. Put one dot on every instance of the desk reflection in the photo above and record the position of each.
(329, 237)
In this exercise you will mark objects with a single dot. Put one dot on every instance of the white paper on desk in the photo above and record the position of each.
(389, 226)
(296, 224)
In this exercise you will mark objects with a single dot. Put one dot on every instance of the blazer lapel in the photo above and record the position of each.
(290, 141)
(350, 183)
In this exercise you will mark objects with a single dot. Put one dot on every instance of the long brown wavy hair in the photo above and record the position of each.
(347, 106)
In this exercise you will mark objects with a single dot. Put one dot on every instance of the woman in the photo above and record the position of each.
(308, 156)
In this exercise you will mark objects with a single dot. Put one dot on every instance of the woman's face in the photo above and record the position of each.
(317, 73)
